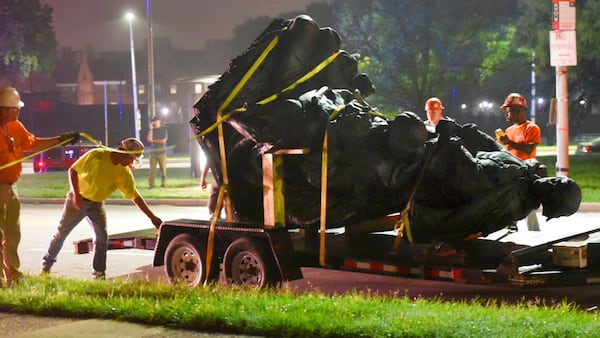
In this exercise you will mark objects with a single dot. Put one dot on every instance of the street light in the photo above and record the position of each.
(151, 91)
(136, 114)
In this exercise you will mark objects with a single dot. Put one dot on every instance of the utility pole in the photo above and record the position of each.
(533, 93)
(563, 53)
(136, 112)
(152, 99)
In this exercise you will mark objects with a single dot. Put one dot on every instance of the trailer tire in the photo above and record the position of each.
(248, 263)
(185, 261)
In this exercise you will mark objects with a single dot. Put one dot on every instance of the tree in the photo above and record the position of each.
(584, 79)
(414, 49)
(27, 40)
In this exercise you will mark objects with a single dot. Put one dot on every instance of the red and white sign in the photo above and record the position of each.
(563, 15)
(563, 48)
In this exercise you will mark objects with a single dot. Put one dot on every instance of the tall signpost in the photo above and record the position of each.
(136, 112)
(151, 90)
(563, 53)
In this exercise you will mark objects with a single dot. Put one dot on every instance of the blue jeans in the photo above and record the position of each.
(96, 216)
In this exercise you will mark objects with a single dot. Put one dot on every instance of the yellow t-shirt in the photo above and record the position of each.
(99, 177)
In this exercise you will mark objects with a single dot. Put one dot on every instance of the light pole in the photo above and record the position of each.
(152, 103)
(136, 114)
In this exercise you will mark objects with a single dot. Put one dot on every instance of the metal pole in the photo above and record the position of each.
(533, 98)
(152, 103)
(562, 122)
(136, 120)
(105, 116)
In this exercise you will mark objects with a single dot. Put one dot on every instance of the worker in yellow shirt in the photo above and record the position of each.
(93, 178)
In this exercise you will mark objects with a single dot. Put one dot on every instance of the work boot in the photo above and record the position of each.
(15, 278)
(45, 271)
(98, 275)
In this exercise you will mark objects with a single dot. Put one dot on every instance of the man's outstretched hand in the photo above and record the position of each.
(71, 136)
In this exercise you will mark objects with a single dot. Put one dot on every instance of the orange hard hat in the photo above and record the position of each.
(433, 103)
(514, 100)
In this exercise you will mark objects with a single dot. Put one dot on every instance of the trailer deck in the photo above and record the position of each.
(493, 260)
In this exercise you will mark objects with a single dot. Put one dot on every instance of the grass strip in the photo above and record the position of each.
(284, 313)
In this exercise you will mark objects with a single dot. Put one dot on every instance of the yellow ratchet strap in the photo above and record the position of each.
(303, 79)
(223, 190)
(249, 73)
(323, 218)
(210, 246)
(223, 195)
(24, 158)
(402, 227)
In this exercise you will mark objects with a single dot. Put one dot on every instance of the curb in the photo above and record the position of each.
(584, 207)
(120, 201)
(589, 207)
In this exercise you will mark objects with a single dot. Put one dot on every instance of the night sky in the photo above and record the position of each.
(188, 23)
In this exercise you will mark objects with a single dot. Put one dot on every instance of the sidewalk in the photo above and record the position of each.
(23, 326)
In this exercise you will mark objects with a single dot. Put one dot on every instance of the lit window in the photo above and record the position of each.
(198, 88)
(173, 89)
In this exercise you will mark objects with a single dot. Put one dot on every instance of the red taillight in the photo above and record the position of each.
(586, 149)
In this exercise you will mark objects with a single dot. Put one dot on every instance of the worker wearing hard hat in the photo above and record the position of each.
(14, 140)
(93, 178)
(435, 112)
(523, 136)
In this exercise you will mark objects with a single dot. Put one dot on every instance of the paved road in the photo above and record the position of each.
(39, 222)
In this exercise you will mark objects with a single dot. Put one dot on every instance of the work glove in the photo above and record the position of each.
(70, 135)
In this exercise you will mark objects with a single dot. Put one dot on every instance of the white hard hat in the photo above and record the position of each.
(9, 97)
(135, 146)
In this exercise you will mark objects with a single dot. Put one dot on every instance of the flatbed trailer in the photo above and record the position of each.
(257, 256)
(194, 252)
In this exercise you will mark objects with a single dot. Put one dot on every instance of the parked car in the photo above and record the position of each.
(74, 151)
(52, 159)
(588, 147)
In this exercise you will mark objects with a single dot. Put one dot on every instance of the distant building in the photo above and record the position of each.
(95, 78)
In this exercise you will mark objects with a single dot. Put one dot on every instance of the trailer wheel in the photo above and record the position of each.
(185, 261)
(249, 264)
